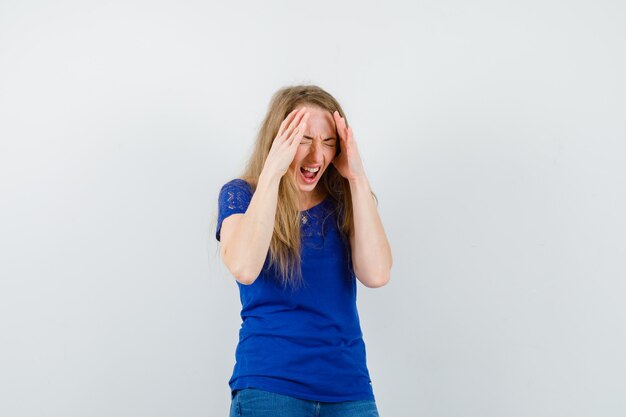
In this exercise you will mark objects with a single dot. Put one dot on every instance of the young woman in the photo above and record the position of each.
(296, 231)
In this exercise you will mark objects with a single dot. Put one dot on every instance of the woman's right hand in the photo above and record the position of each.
(286, 143)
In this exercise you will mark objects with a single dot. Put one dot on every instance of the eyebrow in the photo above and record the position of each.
(309, 137)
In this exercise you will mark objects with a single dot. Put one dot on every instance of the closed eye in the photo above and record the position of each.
(327, 139)
(330, 144)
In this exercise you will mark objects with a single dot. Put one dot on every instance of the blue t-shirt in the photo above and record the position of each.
(305, 343)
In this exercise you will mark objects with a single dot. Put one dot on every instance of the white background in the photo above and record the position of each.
(493, 134)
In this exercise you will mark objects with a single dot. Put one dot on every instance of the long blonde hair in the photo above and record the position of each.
(284, 247)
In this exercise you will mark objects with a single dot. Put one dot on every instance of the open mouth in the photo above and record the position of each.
(308, 176)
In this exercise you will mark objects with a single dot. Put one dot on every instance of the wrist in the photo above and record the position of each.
(269, 178)
(359, 182)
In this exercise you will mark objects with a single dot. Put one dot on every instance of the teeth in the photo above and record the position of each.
(311, 169)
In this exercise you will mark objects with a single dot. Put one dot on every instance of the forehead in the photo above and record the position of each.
(320, 120)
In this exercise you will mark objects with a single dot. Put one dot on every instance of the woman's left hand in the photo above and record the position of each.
(348, 162)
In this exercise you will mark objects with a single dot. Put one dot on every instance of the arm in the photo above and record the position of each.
(371, 253)
(245, 238)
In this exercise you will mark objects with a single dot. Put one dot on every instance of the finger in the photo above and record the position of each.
(283, 126)
(294, 123)
(285, 122)
(341, 125)
(337, 118)
(297, 133)
(345, 128)
(304, 120)
(343, 134)
(298, 129)
(295, 142)
(344, 124)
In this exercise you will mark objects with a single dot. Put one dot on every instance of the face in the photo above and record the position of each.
(316, 150)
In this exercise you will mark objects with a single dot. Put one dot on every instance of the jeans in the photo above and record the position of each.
(253, 402)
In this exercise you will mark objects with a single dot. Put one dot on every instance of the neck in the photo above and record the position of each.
(311, 199)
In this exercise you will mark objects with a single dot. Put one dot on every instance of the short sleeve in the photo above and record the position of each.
(234, 198)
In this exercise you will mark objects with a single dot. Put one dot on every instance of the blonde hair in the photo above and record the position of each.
(284, 247)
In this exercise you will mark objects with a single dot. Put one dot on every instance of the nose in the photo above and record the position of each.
(316, 151)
